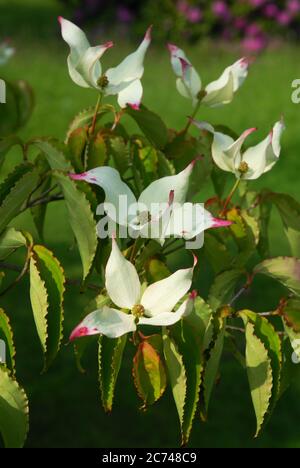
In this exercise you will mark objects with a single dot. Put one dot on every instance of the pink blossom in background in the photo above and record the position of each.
(182, 6)
(194, 15)
(271, 10)
(124, 14)
(254, 44)
(293, 6)
(283, 18)
(240, 22)
(253, 30)
(220, 8)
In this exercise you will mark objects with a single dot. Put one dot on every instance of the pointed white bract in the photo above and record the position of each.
(123, 286)
(216, 93)
(250, 164)
(85, 67)
(159, 213)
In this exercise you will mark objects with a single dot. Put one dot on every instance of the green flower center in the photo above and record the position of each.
(138, 311)
(243, 167)
(102, 81)
(144, 217)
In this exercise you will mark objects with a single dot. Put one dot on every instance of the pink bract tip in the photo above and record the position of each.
(193, 295)
(171, 197)
(221, 223)
(78, 333)
(184, 65)
(148, 33)
(198, 158)
(134, 106)
(108, 44)
(172, 48)
(245, 61)
(60, 19)
(195, 260)
(249, 131)
(78, 176)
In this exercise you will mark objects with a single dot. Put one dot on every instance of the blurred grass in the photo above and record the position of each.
(65, 406)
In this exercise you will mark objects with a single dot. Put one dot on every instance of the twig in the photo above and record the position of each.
(238, 295)
(23, 271)
(229, 327)
(44, 200)
(242, 330)
(267, 314)
(78, 282)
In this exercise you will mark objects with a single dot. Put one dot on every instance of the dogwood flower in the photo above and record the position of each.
(250, 164)
(85, 68)
(216, 93)
(161, 210)
(153, 307)
(6, 51)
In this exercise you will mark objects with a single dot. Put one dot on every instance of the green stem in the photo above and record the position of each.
(98, 104)
(228, 199)
(189, 122)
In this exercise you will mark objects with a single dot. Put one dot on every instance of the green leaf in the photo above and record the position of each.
(52, 275)
(148, 373)
(223, 288)
(259, 375)
(286, 270)
(55, 153)
(6, 144)
(290, 367)
(151, 125)
(18, 108)
(17, 196)
(13, 411)
(77, 142)
(289, 210)
(176, 374)
(12, 178)
(217, 253)
(81, 219)
(190, 336)
(10, 240)
(85, 117)
(25, 101)
(164, 166)
(265, 210)
(38, 212)
(110, 358)
(157, 270)
(212, 368)
(39, 302)
(265, 331)
(120, 153)
(291, 314)
(6, 334)
(245, 232)
(97, 152)
(294, 338)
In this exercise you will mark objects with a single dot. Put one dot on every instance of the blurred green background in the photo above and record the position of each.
(65, 409)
